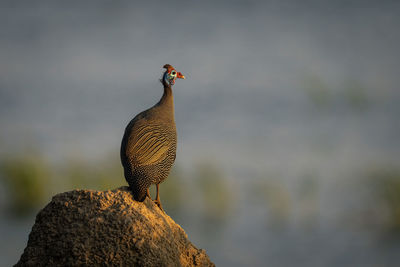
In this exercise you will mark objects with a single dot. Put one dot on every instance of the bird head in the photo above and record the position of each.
(170, 75)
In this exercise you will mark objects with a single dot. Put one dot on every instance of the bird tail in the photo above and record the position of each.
(139, 191)
(139, 195)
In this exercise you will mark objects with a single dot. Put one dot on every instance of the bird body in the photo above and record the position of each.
(148, 147)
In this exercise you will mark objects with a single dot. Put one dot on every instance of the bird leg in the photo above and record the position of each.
(157, 200)
(148, 194)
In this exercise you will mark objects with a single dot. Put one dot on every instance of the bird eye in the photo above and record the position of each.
(173, 72)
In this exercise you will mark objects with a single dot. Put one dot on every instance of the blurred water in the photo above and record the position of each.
(14, 236)
(278, 91)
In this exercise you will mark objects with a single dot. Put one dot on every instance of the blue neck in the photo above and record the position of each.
(167, 98)
(165, 79)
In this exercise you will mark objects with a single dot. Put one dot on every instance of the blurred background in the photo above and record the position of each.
(288, 121)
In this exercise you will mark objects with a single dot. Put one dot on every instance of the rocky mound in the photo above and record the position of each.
(85, 227)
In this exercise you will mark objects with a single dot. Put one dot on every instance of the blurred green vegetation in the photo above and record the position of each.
(318, 91)
(287, 202)
(172, 192)
(308, 198)
(30, 180)
(385, 183)
(104, 174)
(27, 181)
(214, 191)
(352, 93)
(375, 206)
(355, 95)
(270, 192)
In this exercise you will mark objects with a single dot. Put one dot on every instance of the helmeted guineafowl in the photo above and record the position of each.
(148, 147)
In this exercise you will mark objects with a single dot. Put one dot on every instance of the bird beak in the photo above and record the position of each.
(180, 76)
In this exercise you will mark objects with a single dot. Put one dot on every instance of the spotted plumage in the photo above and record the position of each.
(148, 147)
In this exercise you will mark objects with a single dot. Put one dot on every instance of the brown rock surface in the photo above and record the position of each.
(90, 228)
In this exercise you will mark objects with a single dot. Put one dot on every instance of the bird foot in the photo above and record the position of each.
(149, 197)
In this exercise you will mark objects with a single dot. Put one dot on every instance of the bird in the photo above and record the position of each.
(148, 147)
